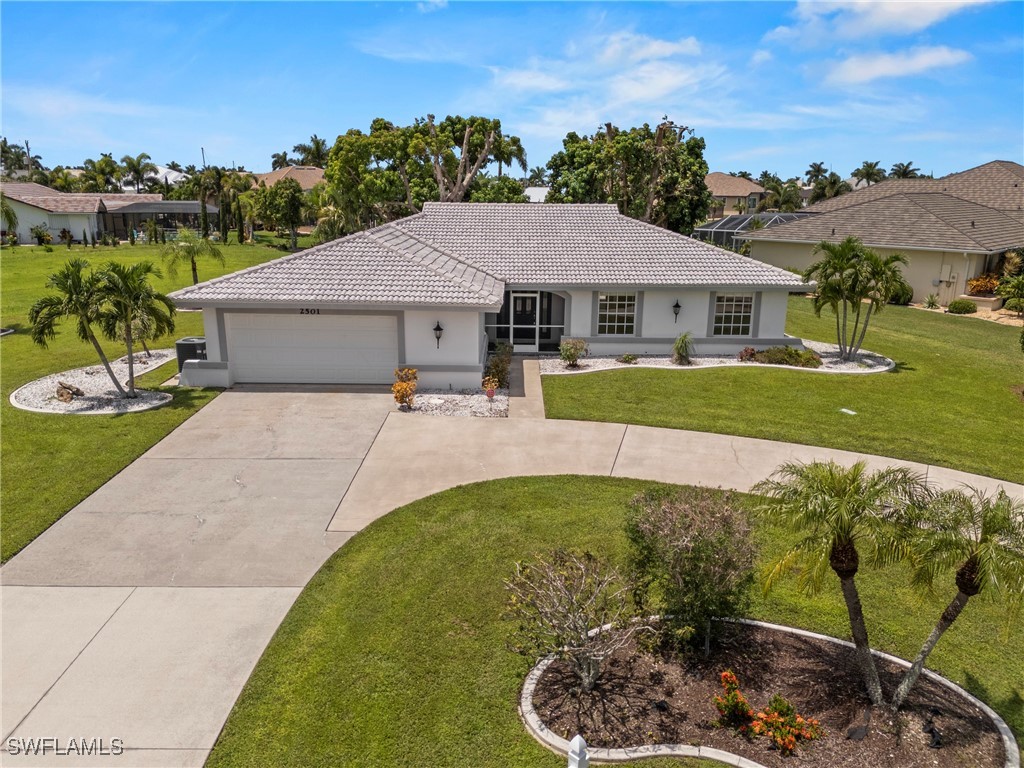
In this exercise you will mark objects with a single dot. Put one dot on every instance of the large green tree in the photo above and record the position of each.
(131, 303)
(137, 168)
(980, 539)
(829, 186)
(497, 190)
(838, 512)
(285, 200)
(853, 281)
(314, 152)
(79, 297)
(654, 175)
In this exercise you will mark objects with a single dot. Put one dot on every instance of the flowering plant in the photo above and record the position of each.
(779, 721)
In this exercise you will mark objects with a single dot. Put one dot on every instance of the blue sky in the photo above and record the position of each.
(769, 85)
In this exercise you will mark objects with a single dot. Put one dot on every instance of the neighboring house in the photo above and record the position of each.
(537, 194)
(163, 175)
(169, 215)
(435, 290)
(308, 176)
(950, 229)
(724, 232)
(732, 194)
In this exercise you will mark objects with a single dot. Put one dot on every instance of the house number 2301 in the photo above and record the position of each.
(309, 311)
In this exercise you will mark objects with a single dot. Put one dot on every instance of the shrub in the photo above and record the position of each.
(627, 359)
(1011, 287)
(571, 350)
(983, 285)
(799, 358)
(488, 383)
(931, 301)
(733, 708)
(779, 721)
(41, 234)
(682, 349)
(66, 237)
(404, 388)
(1015, 305)
(962, 307)
(902, 296)
(691, 556)
(573, 606)
(131, 236)
(499, 364)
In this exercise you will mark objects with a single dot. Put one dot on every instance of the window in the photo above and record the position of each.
(732, 315)
(616, 314)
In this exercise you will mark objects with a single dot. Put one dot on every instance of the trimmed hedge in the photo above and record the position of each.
(962, 307)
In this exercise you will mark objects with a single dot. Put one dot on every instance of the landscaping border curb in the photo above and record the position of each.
(167, 397)
(556, 743)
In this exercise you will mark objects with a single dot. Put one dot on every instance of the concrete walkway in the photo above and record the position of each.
(141, 613)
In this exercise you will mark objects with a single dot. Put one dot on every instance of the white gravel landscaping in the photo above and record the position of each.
(866, 362)
(100, 395)
(466, 402)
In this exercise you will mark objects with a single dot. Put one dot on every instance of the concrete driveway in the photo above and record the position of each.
(141, 613)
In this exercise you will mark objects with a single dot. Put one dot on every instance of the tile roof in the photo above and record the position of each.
(724, 185)
(462, 254)
(931, 220)
(998, 184)
(308, 176)
(54, 201)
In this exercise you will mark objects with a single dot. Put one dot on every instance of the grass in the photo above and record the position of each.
(51, 462)
(948, 403)
(395, 652)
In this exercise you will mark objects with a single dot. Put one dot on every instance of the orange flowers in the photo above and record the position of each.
(778, 721)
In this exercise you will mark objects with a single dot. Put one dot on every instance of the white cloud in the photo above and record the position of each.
(429, 6)
(761, 56)
(63, 103)
(653, 81)
(532, 79)
(865, 68)
(818, 21)
(630, 47)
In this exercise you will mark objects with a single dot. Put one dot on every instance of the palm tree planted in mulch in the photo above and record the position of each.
(79, 297)
(839, 512)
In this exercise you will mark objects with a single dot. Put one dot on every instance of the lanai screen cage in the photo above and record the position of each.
(723, 231)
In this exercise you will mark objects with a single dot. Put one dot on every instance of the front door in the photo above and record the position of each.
(524, 321)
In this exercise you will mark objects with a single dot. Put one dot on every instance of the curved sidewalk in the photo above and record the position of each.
(415, 456)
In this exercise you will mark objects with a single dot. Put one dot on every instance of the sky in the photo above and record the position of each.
(768, 85)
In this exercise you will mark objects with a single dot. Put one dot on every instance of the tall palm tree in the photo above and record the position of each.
(132, 303)
(837, 511)
(61, 179)
(980, 538)
(280, 160)
(508, 150)
(781, 197)
(102, 175)
(904, 171)
(742, 175)
(816, 172)
(8, 214)
(78, 298)
(870, 172)
(882, 278)
(538, 176)
(314, 153)
(187, 248)
(830, 186)
(137, 168)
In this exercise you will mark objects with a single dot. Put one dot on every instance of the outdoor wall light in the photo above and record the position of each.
(675, 311)
(438, 330)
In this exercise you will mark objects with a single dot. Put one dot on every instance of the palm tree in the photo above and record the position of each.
(830, 186)
(280, 160)
(538, 176)
(132, 303)
(508, 150)
(869, 172)
(781, 197)
(314, 153)
(102, 175)
(882, 278)
(981, 538)
(837, 510)
(816, 172)
(78, 298)
(187, 248)
(137, 168)
(742, 175)
(8, 214)
(904, 171)
(61, 179)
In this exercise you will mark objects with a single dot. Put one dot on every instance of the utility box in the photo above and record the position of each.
(190, 348)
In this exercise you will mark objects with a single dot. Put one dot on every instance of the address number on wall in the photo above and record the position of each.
(309, 311)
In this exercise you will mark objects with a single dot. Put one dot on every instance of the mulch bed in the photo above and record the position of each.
(644, 699)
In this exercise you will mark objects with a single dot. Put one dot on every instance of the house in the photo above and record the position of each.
(163, 176)
(732, 194)
(536, 194)
(308, 176)
(434, 291)
(950, 229)
(77, 212)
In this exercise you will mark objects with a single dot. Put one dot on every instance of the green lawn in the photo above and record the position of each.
(395, 652)
(948, 403)
(51, 462)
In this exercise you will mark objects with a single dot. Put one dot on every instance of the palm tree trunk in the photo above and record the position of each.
(142, 340)
(195, 272)
(839, 337)
(945, 622)
(850, 347)
(842, 338)
(865, 660)
(106, 363)
(131, 362)
(863, 330)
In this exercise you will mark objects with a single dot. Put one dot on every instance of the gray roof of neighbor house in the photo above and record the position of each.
(462, 254)
(922, 220)
(308, 176)
(54, 201)
(165, 206)
(723, 185)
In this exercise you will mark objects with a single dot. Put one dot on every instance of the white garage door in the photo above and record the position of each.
(291, 348)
